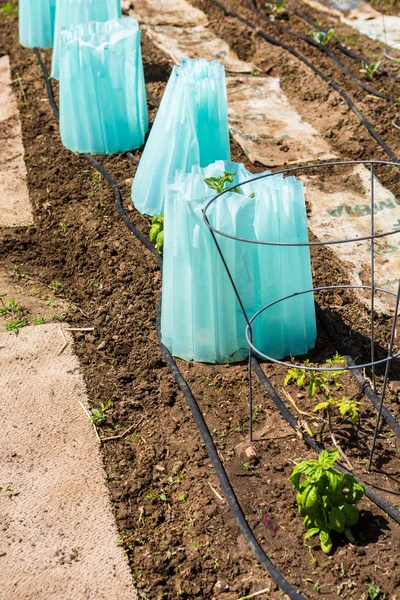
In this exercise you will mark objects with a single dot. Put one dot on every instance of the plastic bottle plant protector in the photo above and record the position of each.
(201, 318)
(36, 23)
(103, 107)
(191, 128)
(76, 12)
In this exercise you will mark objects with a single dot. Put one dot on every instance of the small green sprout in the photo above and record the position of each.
(278, 8)
(369, 70)
(346, 406)
(322, 37)
(12, 308)
(55, 286)
(218, 184)
(9, 10)
(375, 592)
(98, 415)
(15, 326)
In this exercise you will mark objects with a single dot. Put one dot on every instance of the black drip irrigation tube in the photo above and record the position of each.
(197, 414)
(342, 47)
(275, 42)
(322, 48)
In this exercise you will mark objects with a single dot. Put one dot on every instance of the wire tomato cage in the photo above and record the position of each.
(372, 288)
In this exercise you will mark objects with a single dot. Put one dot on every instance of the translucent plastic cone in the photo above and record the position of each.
(191, 128)
(103, 107)
(201, 317)
(36, 23)
(76, 12)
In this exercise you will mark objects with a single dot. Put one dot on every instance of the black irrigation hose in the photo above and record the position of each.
(343, 48)
(322, 48)
(274, 41)
(221, 473)
(223, 478)
(362, 382)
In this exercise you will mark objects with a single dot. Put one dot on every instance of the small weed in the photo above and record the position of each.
(150, 495)
(21, 87)
(241, 426)
(375, 592)
(98, 415)
(249, 467)
(51, 303)
(9, 10)
(216, 564)
(369, 70)
(11, 309)
(15, 326)
(55, 286)
(38, 320)
(278, 8)
(163, 495)
(64, 228)
(182, 498)
(7, 488)
(322, 37)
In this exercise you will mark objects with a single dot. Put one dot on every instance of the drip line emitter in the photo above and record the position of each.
(251, 320)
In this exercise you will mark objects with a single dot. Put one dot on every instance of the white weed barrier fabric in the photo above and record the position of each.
(269, 130)
(201, 317)
(364, 18)
(344, 212)
(15, 207)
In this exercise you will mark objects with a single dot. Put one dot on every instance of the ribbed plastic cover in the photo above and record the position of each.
(103, 107)
(191, 128)
(75, 12)
(36, 23)
(201, 318)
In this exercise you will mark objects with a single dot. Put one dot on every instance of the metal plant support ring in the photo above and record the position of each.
(372, 287)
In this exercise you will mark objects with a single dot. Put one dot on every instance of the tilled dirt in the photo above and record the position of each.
(181, 540)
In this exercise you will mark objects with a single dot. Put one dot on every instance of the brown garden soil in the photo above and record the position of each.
(180, 537)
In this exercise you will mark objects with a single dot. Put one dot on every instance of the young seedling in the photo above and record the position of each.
(15, 326)
(9, 10)
(318, 381)
(98, 415)
(326, 498)
(278, 8)
(327, 383)
(219, 184)
(55, 286)
(322, 37)
(345, 405)
(375, 592)
(157, 233)
(11, 309)
(369, 70)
